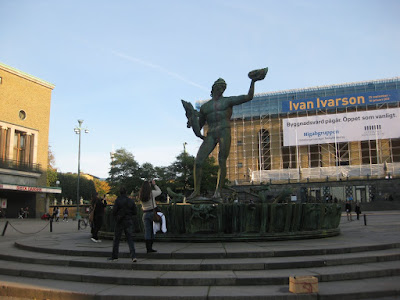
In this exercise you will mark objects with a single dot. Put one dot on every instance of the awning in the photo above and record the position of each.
(31, 189)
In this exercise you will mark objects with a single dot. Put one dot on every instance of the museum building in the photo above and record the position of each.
(338, 132)
(24, 133)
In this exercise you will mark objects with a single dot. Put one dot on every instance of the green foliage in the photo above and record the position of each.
(51, 169)
(68, 183)
(126, 171)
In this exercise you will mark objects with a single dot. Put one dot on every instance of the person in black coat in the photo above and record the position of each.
(123, 211)
(98, 205)
(358, 210)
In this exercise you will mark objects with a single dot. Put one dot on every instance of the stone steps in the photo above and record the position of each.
(155, 262)
(196, 278)
(70, 266)
(27, 288)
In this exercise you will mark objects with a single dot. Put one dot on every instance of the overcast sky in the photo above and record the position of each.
(124, 66)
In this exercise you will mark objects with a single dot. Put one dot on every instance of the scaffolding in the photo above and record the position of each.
(258, 154)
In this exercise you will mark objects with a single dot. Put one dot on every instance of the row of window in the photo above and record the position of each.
(339, 152)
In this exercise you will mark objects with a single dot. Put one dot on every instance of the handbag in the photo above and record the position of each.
(156, 217)
(91, 214)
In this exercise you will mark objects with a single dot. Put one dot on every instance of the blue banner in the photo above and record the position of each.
(341, 101)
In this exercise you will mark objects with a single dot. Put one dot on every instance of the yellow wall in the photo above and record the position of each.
(20, 91)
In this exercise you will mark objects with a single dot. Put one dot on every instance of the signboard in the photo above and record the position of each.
(342, 101)
(33, 189)
(3, 203)
(344, 127)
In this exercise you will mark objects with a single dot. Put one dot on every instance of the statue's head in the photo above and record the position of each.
(219, 85)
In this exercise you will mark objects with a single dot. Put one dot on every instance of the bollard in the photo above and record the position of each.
(5, 227)
(365, 219)
(51, 225)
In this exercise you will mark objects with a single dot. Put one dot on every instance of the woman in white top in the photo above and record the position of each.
(148, 193)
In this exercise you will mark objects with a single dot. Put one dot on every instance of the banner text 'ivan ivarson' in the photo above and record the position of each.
(328, 103)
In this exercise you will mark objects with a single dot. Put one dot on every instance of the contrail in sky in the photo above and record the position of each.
(153, 66)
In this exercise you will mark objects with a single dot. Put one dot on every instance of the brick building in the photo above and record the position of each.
(24, 133)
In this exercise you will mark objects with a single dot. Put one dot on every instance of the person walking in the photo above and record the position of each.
(66, 213)
(98, 206)
(57, 213)
(147, 196)
(123, 211)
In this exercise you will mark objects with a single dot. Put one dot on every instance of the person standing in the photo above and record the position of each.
(98, 205)
(348, 211)
(357, 209)
(123, 211)
(147, 196)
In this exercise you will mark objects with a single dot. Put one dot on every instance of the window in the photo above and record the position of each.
(3, 143)
(289, 156)
(342, 154)
(315, 157)
(395, 149)
(19, 147)
(368, 152)
(264, 150)
(22, 114)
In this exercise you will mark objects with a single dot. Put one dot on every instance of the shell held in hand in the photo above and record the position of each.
(258, 74)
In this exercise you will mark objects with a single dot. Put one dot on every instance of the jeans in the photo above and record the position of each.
(148, 225)
(126, 226)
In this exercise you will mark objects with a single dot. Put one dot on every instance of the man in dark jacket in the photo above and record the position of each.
(123, 211)
(98, 205)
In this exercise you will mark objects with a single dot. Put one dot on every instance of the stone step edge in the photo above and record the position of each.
(278, 292)
(204, 266)
(243, 254)
(154, 278)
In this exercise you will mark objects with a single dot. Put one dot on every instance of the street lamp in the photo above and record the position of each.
(78, 130)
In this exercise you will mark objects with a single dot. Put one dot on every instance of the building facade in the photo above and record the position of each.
(24, 131)
(336, 132)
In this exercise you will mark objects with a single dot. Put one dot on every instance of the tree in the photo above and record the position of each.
(102, 187)
(125, 171)
(68, 183)
(51, 169)
(183, 170)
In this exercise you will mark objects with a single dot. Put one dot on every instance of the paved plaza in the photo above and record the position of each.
(230, 270)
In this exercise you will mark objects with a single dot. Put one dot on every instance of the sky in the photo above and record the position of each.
(123, 66)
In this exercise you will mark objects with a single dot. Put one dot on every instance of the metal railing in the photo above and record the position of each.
(19, 166)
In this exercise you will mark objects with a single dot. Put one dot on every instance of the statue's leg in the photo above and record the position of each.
(206, 148)
(224, 148)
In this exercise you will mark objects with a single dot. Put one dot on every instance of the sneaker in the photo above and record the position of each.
(134, 259)
(99, 241)
(112, 259)
(93, 240)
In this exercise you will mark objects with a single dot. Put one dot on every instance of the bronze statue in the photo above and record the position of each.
(216, 113)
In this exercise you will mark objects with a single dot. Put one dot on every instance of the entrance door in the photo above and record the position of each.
(361, 194)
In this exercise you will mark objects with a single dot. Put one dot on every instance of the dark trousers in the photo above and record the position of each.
(97, 223)
(125, 226)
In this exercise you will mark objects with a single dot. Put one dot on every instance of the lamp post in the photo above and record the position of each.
(78, 130)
